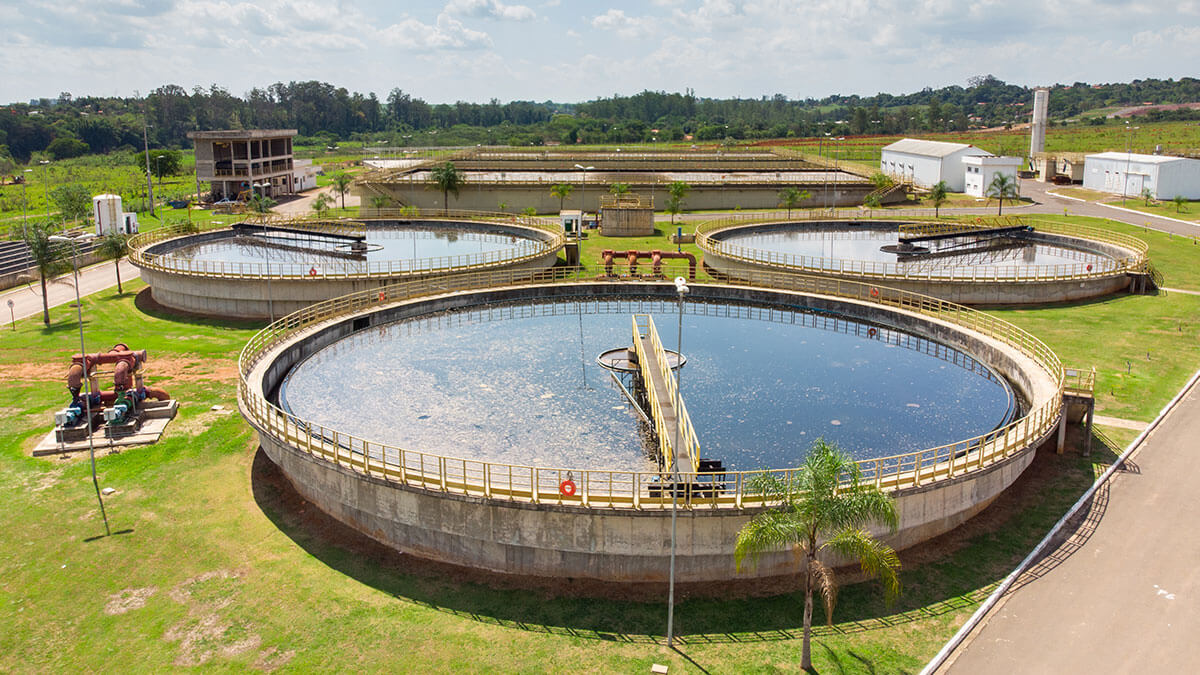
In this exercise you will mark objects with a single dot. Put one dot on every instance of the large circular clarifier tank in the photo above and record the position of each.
(270, 270)
(992, 262)
(519, 384)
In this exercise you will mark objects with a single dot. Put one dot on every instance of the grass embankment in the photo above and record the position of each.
(215, 564)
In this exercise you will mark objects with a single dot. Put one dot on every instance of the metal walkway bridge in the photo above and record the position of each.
(662, 390)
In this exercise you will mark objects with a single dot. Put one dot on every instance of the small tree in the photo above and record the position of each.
(1002, 187)
(449, 180)
(872, 202)
(529, 211)
(379, 202)
(260, 203)
(678, 190)
(618, 189)
(1147, 196)
(826, 499)
(341, 184)
(562, 191)
(115, 245)
(162, 162)
(791, 197)
(321, 204)
(1180, 201)
(938, 195)
(73, 201)
(881, 180)
(49, 258)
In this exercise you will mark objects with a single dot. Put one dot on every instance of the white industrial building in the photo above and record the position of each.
(925, 163)
(110, 216)
(981, 170)
(1131, 173)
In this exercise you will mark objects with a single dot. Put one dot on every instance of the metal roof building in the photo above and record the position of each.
(925, 163)
(1130, 174)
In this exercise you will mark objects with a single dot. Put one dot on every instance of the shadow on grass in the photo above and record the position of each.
(146, 304)
(950, 574)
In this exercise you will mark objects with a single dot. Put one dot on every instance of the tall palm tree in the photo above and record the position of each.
(678, 190)
(341, 184)
(448, 179)
(790, 198)
(825, 500)
(562, 191)
(114, 245)
(938, 195)
(48, 257)
(1002, 187)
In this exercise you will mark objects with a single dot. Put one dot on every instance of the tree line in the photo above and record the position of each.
(69, 126)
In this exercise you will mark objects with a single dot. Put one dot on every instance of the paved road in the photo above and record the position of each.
(1122, 594)
(27, 298)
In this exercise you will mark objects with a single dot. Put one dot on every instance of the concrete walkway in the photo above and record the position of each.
(1122, 593)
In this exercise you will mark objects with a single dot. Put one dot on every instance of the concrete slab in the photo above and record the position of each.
(152, 430)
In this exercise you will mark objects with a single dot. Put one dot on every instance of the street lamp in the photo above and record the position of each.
(582, 199)
(158, 168)
(87, 401)
(681, 288)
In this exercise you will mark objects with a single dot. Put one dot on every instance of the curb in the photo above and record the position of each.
(1148, 215)
(972, 623)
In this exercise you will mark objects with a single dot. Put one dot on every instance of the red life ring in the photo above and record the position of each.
(312, 271)
(567, 488)
(871, 332)
(874, 292)
(1089, 267)
(382, 296)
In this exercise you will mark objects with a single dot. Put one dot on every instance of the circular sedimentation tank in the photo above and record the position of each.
(1009, 261)
(271, 267)
(447, 424)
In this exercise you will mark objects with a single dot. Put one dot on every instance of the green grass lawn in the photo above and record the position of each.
(1191, 210)
(216, 563)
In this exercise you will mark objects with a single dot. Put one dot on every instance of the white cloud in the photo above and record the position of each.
(448, 33)
(623, 25)
(490, 9)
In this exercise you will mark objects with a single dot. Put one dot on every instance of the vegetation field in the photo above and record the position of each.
(214, 562)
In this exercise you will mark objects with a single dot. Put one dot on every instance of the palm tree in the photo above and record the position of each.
(321, 204)
(260, 203)
(448, 179)
(113, 245)
(938, 195)
(1147, 196)
(379, 202)
(791, 197)
(618, 189)
(678, 191)
(341, 184)
(48, 257)
(1179, 201)
(825, 499)
(562, 191)
(1003, 186)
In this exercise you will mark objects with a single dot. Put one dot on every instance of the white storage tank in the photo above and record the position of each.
(108, 213)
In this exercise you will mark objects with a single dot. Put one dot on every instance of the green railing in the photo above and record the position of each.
(1135, 259)
(527, 250)
(631, 489)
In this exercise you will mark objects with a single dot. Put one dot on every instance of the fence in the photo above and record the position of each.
(631, 489)
(1135, 260)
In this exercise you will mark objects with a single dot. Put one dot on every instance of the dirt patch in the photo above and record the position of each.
(194, 426)
(128, 600)
(206, 634)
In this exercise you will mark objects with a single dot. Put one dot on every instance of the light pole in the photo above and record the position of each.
(1128, 157)
(46, 178)
(158, 169)
(87, 401)
(681, 288)
(146, 154)
(582, 199)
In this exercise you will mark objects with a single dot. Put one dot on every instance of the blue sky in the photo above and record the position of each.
(561, 50)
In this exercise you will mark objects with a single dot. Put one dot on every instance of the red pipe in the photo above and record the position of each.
(656, 257)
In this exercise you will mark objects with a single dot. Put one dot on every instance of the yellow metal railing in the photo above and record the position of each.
(1079, 382)
(643, 327)
(1135, 258)
(527, 250)
(629, 489)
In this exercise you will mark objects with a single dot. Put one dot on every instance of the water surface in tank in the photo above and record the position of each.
(519, 384)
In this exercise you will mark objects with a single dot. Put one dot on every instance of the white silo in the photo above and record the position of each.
(108, 214)
(1037, 139)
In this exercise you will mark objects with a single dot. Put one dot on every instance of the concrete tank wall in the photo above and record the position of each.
(609, 543)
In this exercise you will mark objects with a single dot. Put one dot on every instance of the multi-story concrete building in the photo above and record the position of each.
(246, 161)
